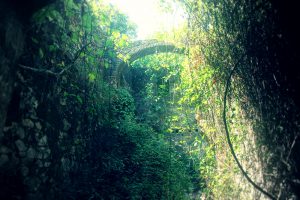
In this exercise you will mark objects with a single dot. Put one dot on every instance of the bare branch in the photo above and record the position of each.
(43, 71)
(49, 72)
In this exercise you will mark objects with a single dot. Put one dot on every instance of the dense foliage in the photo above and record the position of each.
(95, 146)
(251, 38)
(84, 123)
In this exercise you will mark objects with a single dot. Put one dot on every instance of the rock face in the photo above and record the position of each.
(20, 146)
(14, 152)
(11, 35)
(13, 19)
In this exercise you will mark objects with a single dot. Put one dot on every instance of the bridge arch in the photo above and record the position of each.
(141, 48)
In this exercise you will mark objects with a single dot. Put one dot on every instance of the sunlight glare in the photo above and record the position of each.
(148, 17)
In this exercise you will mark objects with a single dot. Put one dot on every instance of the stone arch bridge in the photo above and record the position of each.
(139, 49)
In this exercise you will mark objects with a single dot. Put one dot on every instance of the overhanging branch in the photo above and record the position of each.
(56, 74)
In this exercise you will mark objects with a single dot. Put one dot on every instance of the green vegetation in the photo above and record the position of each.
(87, 124)
(104, 140)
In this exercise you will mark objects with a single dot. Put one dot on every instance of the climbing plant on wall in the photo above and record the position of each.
(83, 137)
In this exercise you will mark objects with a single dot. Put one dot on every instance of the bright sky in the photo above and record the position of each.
(148, 17)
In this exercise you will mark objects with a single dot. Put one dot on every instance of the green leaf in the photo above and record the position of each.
(116, 34)
(75, 37)
(54, 15)
(100, 53)
(109, 43)
(52, 48)
(79, 99)
(106, 65)
(34, 40)
(92, 77)
(111, 54)
(61, 64)
(71, 5)
(82, 54)
(41, 53)
(104, 19)
(87, 22)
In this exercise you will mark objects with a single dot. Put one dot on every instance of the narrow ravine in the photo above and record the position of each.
(204, 106)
